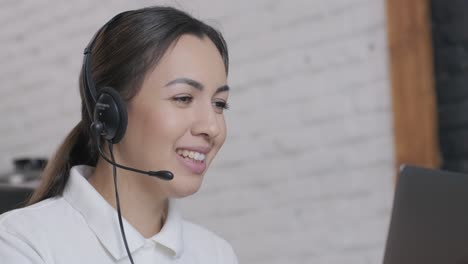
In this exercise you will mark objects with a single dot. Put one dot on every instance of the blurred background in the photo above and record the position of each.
(328, 99)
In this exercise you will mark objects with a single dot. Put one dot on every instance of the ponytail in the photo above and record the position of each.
(76, 149)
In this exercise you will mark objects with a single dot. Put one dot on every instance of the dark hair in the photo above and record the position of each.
(122, 55)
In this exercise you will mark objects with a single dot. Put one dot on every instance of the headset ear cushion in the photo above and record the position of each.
(116, 120)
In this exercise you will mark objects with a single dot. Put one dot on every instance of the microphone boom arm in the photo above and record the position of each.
(97, 129)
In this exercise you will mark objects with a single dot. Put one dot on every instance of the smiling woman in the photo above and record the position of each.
(155, 89)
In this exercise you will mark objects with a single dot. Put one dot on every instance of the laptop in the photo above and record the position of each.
(429, 222)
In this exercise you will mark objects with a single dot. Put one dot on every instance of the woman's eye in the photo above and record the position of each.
(221, 105)
(183, 99)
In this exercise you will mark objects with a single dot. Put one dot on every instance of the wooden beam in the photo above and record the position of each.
(412, 80)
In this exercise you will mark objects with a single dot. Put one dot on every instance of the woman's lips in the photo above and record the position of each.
(196, 167)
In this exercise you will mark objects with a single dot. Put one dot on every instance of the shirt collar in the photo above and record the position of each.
(170, 235)
(102, 218)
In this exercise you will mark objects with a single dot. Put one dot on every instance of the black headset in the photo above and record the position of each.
(108, 114)
(107, 111)
(105, 107)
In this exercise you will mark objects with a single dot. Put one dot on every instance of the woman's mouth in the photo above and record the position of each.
(194, 161)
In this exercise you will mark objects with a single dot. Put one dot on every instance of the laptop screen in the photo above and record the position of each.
(429, 222)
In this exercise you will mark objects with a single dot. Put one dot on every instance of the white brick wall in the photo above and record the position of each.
(306, 174)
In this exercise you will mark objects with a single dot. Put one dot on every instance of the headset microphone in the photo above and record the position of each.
(97, 128)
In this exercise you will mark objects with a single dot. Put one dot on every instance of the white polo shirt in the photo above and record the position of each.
(81, 227)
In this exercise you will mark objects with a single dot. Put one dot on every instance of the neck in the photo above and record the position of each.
(141, 201)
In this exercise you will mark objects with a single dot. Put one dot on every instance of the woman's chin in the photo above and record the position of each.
(184, 192)
(185, 185)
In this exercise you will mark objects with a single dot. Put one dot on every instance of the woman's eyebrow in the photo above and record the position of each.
(195, 84)
(188, 81)
(224, 88)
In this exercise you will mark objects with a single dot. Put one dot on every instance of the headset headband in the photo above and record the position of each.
(90, 92)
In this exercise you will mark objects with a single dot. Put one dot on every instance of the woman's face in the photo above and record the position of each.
(178, 113)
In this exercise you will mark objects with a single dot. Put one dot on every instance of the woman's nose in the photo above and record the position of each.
(207, 122)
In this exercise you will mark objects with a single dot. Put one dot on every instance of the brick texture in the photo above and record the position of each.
(306, 173)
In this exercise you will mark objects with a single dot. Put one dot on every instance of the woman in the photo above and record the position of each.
(164, 111)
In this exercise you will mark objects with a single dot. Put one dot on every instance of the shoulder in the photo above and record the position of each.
(33, 215)
(24, 231)
(38, 221)
(201, 239)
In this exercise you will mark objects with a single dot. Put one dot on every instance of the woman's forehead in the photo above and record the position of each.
(191, 57)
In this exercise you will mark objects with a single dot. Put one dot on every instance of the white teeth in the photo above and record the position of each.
(191, 154)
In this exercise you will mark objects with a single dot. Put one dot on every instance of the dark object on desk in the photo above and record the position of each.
(430, 218)
(25, 170)
(12, 197)
(29, 168)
